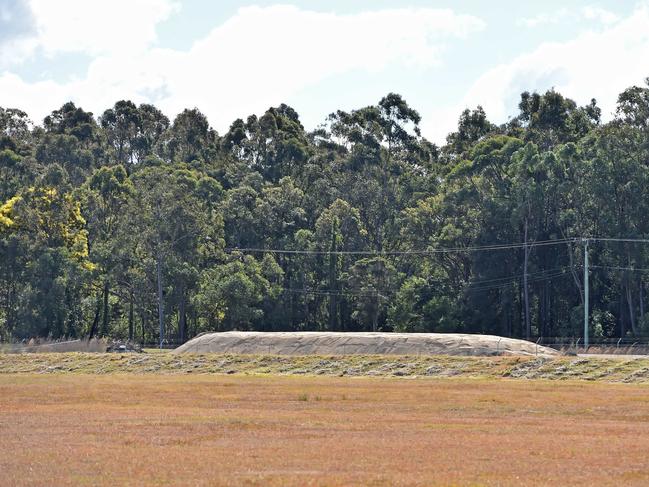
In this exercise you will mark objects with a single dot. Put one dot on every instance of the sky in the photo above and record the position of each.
(232, 58)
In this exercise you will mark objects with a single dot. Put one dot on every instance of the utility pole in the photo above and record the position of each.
(160, 303)
(585, 294)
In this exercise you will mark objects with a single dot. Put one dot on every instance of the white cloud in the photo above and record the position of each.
(97, 26)
(91, 27)
(561, 15)
(596, 64)
(546, 18)
(257, 58)
(262, 56)
(600, 14)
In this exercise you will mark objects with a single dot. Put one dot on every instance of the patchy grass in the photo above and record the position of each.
(79, 429)
(562, 368)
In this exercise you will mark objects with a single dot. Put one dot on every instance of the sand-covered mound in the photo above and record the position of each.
(327, 343)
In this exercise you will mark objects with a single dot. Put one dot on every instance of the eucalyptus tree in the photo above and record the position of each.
(232, 294)
(176, 216)
(270, 227)
(382, 142)
(372, 281)
(338, 229)
(107, 196)
(190, 137)
(120, 125)
(15, 131)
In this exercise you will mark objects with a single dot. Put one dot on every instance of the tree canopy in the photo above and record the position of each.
(111, 223)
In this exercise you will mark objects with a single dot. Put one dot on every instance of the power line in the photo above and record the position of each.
(615, 239)
(439, 250)
(519, 276)
(633, 269)
(507, 284)
(484, 285)
(472, 286)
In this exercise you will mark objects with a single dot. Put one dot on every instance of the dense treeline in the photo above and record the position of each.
(102, 219)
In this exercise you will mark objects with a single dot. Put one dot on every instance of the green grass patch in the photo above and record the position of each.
(166, 363)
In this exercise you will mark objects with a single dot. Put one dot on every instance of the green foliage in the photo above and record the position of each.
(372, 281)
(231, 295)
(44, 261)
(108, 223)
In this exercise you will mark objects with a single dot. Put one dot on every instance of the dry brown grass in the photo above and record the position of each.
(76, 429)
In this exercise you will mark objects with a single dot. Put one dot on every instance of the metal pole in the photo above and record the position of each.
(585, 295)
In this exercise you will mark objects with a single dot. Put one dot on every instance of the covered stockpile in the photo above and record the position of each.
(330, 343)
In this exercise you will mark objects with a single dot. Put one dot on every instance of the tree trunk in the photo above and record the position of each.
(305, 296)
(548, 310)
(621, 311)
(641, 299)
(160, 303)
(291, 294)
(182, 318)
(95, 322)
(143, 317)
(509, 312)
(540, 311)
(333, 304)
(629, 300)
(520, 304)
(130, 317)
(375, 317)
(573, 272)
(333, 299)
(104, 324)
(503, 312)
(528, 326)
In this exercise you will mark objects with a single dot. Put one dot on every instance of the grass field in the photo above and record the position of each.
(618, 369)
(150, 429)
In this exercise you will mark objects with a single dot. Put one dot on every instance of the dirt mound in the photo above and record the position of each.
(328, 343)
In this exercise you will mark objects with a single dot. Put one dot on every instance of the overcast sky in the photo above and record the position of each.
(233, 58)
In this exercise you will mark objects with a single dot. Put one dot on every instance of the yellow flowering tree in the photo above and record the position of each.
(44, 262)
